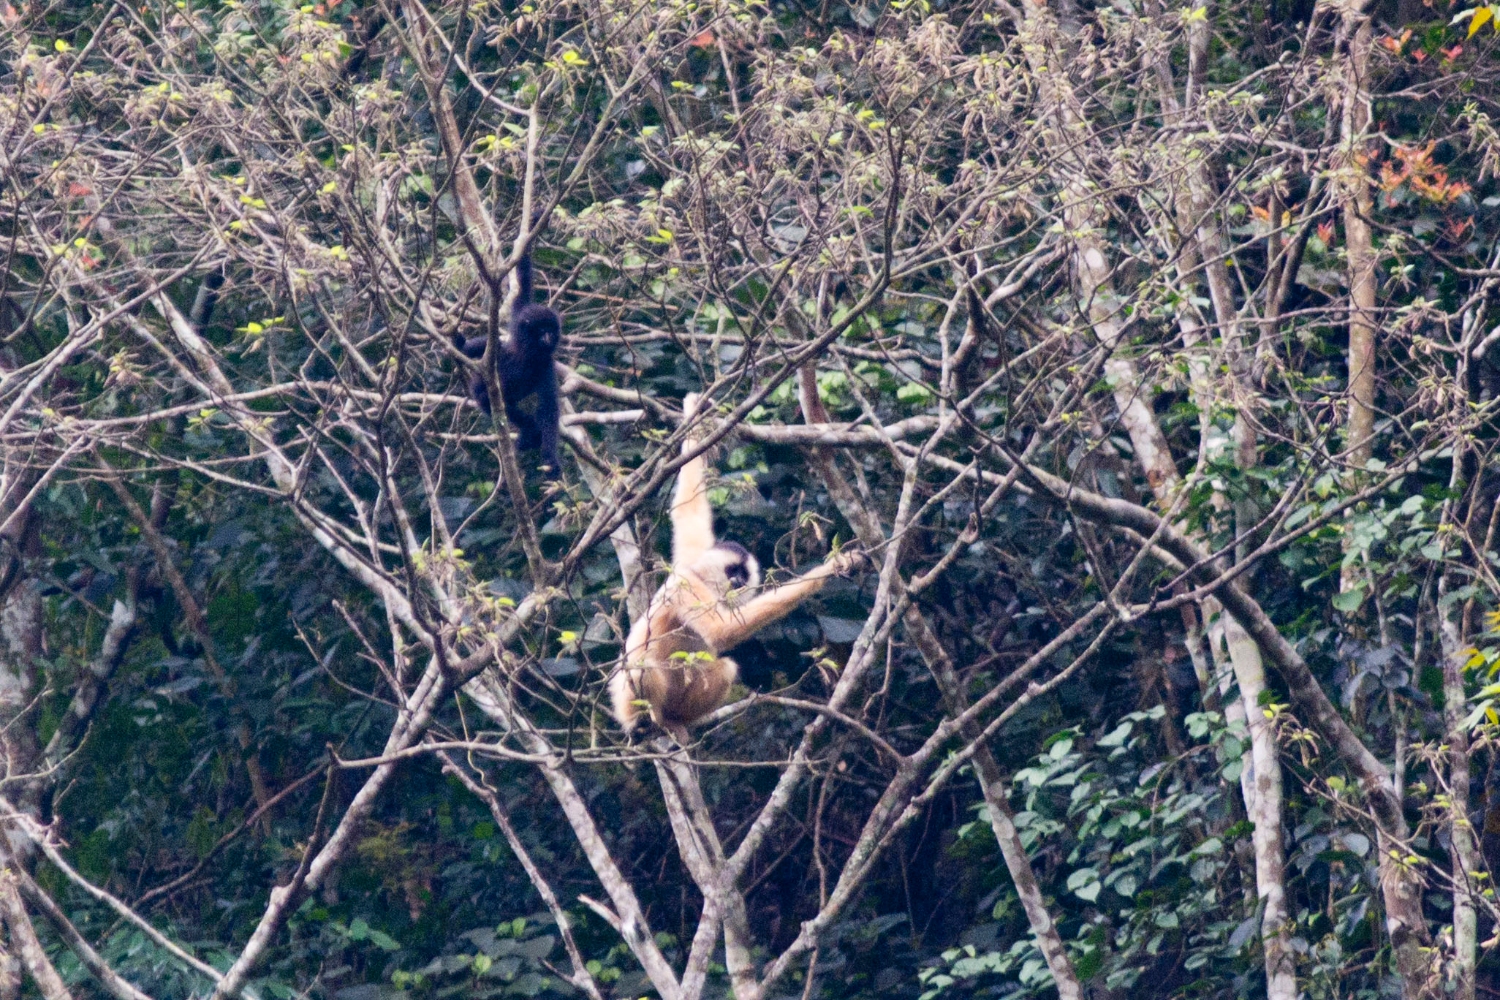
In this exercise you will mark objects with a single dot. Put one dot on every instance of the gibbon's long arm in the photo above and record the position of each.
(523, 281)
(692, 516)
(725, 626)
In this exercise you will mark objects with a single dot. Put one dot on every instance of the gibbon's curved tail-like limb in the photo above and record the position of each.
(673, 668)
(524, 364)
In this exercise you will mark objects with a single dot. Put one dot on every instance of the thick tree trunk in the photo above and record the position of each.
(24, 940)
(1401, 881)
(10, 972)
(1023, 876)
(1017, 862)
(1263, 803)
(1355, 122)
(1234, 715)
(1354, 191)
(1466, 862)
(20, 643)
(20, 652)
(1260, 782)
(21, 648)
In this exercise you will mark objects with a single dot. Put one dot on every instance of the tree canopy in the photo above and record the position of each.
(1147, 354)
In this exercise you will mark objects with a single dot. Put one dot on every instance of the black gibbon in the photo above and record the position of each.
(673, 669)
(524, 363)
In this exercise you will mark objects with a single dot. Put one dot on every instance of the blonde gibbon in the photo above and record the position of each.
(673, 667)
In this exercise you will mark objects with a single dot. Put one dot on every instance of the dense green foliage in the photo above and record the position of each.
(259, 551)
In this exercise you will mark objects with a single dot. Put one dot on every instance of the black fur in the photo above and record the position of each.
(204, 302)
(524, 363)
(737, 573)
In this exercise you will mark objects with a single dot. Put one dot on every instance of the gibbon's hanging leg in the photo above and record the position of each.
(673, 667)
(538, 429)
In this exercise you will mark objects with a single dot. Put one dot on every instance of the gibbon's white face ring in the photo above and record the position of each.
(739, 567)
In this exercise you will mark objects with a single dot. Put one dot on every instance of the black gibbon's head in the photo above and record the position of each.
(538, 328)
(736, 563)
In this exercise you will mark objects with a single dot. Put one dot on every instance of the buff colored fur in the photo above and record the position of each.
(673, 667)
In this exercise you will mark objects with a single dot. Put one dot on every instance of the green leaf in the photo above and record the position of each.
(385, 942)
(1085, 884)
(914, 394)
(1349, 600)
(1213, 845)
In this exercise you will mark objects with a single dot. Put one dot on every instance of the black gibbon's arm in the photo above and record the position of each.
(673, 663)
(524, 363)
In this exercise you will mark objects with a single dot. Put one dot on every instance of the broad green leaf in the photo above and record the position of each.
(1349, 600)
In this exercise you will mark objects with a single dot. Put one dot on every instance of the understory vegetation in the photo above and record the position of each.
(1150, 354)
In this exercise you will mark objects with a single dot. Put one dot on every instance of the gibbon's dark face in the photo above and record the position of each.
(740, 568)
(538, 329)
